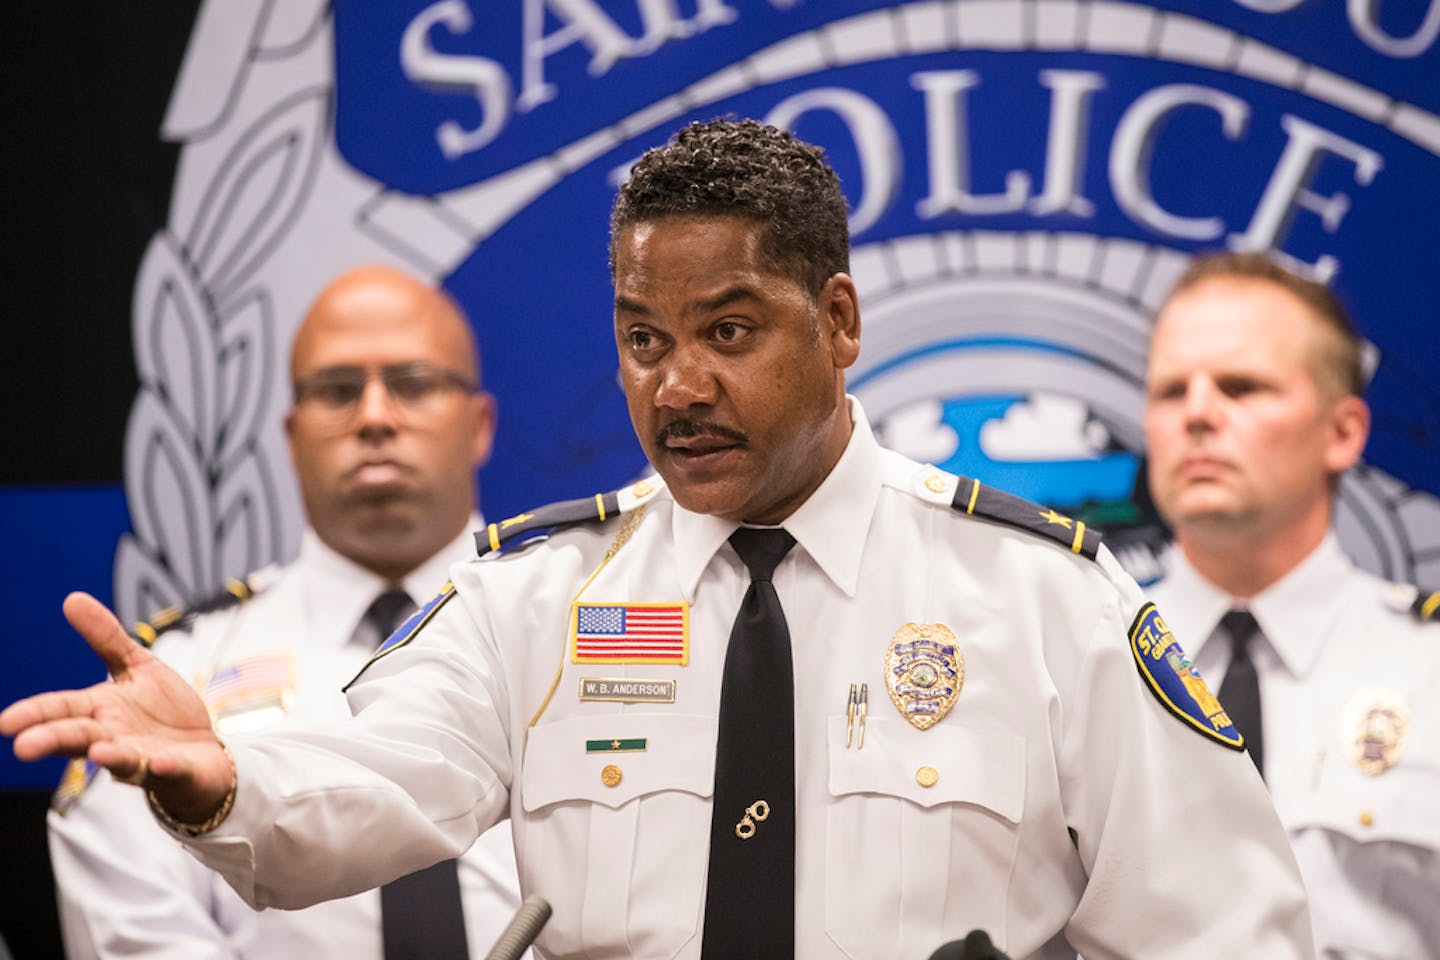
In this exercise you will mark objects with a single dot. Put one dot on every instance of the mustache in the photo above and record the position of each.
(691, 429)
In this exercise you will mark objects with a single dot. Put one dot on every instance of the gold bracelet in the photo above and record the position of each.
(216, 818)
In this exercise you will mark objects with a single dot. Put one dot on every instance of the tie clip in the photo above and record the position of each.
(759, 811)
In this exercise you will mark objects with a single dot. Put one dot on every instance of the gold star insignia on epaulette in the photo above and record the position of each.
(518, 518)
(1050, 516)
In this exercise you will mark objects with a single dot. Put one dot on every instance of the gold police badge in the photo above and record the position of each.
(924, 672)
(1373, 728)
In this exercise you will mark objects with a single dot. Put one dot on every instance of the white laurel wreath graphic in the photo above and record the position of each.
(201, 493)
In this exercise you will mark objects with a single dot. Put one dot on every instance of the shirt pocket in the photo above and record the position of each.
(910, 866)
(585, 827)
(1369, 850)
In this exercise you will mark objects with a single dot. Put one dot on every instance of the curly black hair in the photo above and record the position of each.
(729, 168)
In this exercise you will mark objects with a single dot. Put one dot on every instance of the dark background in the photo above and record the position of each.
(84, 88)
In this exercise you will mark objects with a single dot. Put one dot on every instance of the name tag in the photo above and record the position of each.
(627, 691)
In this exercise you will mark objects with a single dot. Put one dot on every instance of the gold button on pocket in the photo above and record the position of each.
(1367, 819)
(611, 775)
(927, 776)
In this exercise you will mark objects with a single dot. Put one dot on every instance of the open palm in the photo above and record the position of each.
(145, 725)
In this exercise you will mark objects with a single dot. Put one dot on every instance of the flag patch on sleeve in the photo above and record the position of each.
(1175, 682)
(630, 633)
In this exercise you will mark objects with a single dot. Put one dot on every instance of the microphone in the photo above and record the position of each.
(522, 929)
(975, 946)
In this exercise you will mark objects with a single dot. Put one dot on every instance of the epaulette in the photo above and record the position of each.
(1426, 607)
(527, 526)
(975, 499)
(236, 592)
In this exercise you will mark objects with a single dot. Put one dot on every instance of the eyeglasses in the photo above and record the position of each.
(335, 392)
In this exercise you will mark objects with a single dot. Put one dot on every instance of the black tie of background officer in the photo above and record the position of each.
(975, 946)
(750, 893)
(421, 917)
(1240, 690)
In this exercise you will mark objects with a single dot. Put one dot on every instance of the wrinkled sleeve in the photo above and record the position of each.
(125, 888)
(1184, 852)
(421, 769)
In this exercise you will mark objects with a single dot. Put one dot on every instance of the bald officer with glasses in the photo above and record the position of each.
(387, 428)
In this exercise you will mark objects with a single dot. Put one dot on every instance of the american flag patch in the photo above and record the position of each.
(267, 674)
(630, 633)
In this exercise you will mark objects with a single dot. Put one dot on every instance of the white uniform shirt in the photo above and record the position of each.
(1176, 851)
(126, 888)
(1338, 643)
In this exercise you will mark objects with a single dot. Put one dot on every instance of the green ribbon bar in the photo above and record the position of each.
(630, 745)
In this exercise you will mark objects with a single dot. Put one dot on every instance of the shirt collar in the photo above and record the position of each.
(338, 590)
(1294, 613)
(1191, 600)
(830, 526)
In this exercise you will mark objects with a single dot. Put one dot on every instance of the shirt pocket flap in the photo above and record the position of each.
(615, 758)
(960, 764)
(1396, 805)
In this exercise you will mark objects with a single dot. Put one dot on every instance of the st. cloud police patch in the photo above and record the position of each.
(406, 631)
(1174, 680)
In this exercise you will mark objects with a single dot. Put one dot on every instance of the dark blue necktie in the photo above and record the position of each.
(420, 915)
(1240, 690)
(750, 892)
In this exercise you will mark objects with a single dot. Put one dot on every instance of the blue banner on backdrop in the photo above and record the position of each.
(1024, 179)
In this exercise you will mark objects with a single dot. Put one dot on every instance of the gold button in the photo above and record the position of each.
(935, 484)
(927, 776)
(1367, 819)
(642, 488)
(611, 775)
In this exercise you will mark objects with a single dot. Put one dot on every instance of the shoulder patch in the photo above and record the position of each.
(235, 593)
(1426, 607)
(406, 631)
(975, 499)
(520, 529)
(1175, 682)
(78, 775)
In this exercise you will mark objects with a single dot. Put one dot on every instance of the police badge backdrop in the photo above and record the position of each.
(1026, 177)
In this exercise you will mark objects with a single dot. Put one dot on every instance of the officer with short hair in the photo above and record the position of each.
(1253, 412)
(794, 696)
(387, 428)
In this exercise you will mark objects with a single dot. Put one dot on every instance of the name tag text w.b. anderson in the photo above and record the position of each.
(627, 691)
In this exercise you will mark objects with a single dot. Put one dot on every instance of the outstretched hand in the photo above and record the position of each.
(146, 725)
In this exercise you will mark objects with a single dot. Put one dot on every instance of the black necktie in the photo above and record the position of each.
(420, 914)
(386, 612)
(750, 893)
(1240, 690)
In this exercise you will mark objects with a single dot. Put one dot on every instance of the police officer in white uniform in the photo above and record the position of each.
(990, 727)
(386, 466)
(1253, 413)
